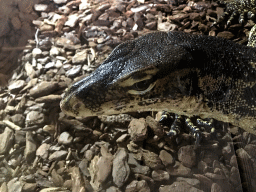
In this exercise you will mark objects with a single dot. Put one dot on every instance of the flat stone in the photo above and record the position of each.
(166, 26)
(34, 107)
(44, 60)
(215, 176)
(42, 151)
(30, 84)
(49, 129)
(138, 20)
(105, 168)
(103, 7)
(29, 178)
(87, 18)
(67, 66)
(10, 109)
(226, 35)
(155, 126)
(187, 155)
(35, 118)
(83, 165)
(80, 57)
(11, 125)
(43, 88)
(138, 186)
(151, 159)
(204, 180)
(65, 138)
(160, 175)
(75, 70)
(166, 158)
(61, 58)
(30, 150)
(49, 99)
(121, 169)
(57, 179)
(117, 24)
(130, 22)
(18, 119)
(92, 44)
(191, 181)
(78, 182)
(58, 64)
(179, 16)
(179, 186)
(94, 169)
(104, 16)
(60, 1)
(151, 25)
(4, 187)
(84, 5)
(16, 86)
(46, 43)
(28, 187)
(195, 16)
(102, 23)
(6, 140)
(216, 188)
(113, 189)
(138, 129)
(178, 170)
(65, 10)
(58, 155)
(40, 7)
(36, 52)
(63, 42)
(54, 51)
(49, 65)
(140, 8)
(72, 20)
(89, 155)
(71, 36)
(2, 103)
(37, 23)
(14, 185)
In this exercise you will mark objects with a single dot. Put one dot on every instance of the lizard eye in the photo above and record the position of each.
(143, 85)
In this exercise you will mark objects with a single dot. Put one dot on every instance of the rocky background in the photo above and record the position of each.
(51, 44)
(15, 29)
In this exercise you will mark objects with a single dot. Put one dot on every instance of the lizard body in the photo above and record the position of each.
(189, 75)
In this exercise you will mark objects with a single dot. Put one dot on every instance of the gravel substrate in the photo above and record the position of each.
(62, 41)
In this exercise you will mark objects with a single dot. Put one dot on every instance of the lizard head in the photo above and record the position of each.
(135, 77)
(176, 72)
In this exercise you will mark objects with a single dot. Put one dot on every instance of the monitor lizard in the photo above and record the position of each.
(191, 75)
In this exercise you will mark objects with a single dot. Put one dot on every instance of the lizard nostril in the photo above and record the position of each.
(77, 105)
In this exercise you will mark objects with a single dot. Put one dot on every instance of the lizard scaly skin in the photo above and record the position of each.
(185, 74)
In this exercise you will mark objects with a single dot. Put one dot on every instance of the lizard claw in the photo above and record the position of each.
(198, 137)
